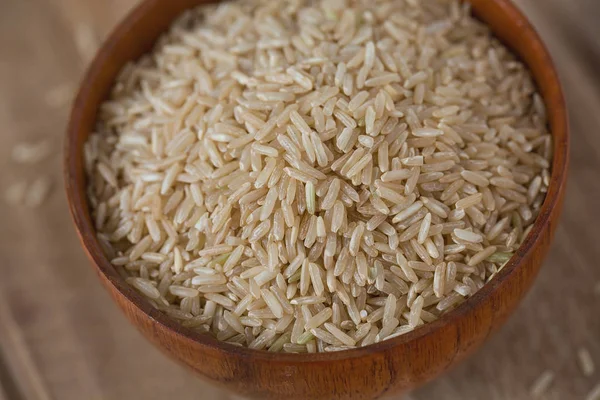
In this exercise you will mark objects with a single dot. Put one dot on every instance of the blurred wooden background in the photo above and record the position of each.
(62, 338)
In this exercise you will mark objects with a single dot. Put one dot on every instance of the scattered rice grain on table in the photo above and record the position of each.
(86, 41)
(542, 384)
(60, 95)
(586, 362)
(15, 193)
(594, 394)
(269, 161)
(31, 152)
(37, 192)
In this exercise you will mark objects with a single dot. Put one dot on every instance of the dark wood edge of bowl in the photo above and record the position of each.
(74, 180)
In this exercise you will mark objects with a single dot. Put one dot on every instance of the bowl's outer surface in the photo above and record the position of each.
(384, 368)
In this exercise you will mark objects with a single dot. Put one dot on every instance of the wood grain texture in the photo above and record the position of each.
(82, 347)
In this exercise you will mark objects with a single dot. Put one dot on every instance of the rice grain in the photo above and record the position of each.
(322, 185)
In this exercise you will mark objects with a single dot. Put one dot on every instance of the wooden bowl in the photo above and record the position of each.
(388, 367)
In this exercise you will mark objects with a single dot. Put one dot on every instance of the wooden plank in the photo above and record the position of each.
(17, 359)
(63, 338)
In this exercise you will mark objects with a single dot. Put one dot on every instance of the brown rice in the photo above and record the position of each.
(317, 175)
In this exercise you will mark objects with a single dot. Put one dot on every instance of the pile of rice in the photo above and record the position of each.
(309, 176)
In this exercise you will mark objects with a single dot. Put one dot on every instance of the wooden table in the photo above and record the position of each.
(62, 338)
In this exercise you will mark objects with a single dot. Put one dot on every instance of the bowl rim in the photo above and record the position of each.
(74, 177)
